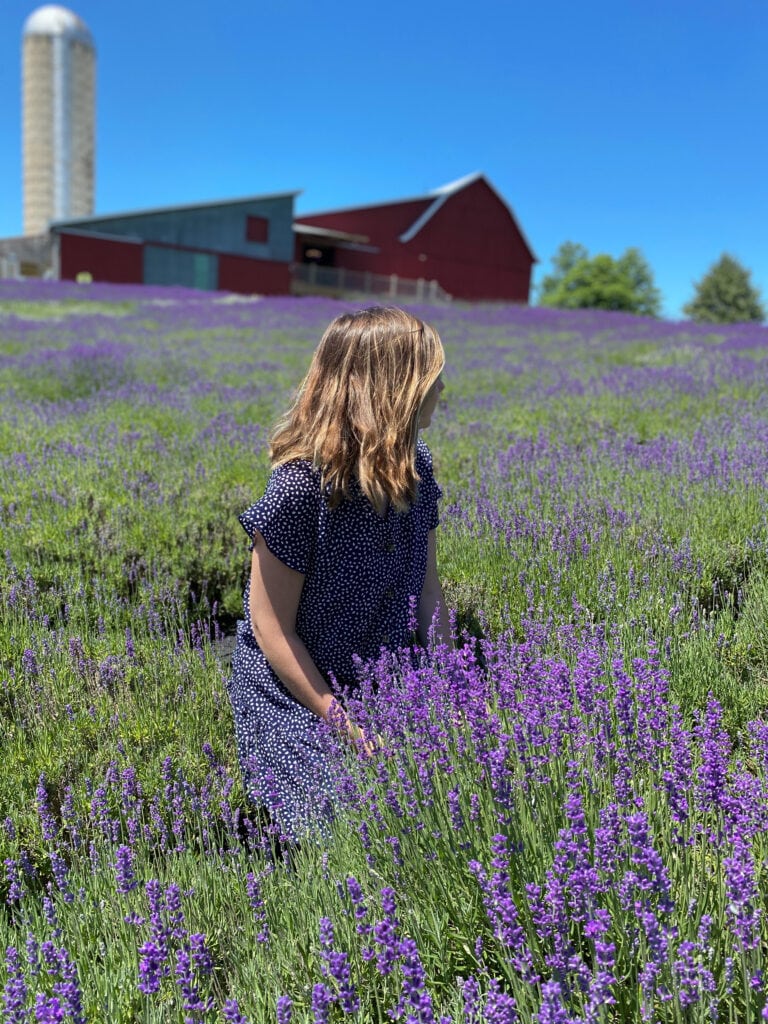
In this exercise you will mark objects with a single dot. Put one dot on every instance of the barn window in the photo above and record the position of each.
(256, 229)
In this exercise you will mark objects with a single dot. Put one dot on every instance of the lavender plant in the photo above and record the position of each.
(564, 819)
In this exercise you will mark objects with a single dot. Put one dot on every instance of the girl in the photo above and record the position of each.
(343, 543)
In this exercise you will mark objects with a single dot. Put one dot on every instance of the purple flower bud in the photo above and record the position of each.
(124, 873)
(385, 934)
(231, 1013)
(49, 1010)
(61, 873)
(415, 995)
(13, 877)
(742, 895)
(256, 900)
(15, 994)
(29, 664)
(284, 1010)
(202, 960)
(47, 821)
(322, 1001)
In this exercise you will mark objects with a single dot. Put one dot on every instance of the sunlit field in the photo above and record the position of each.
(565, 819)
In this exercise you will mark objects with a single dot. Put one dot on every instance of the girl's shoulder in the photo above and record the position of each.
(298, 476)
(423, 457)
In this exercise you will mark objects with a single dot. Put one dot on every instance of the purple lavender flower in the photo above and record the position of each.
(13, 877)
(650, 875)
(693, 979)
(152, 967)
(742, 895)
(49, 912)
(470, 997)
(715, 754)
(124, 873)
(29, 664)
(415, 996)
(231, 1013)
(61, 874)
(358, 902)
(385, 934)
(284, 1010)
(454, 809)
(50, 957)
(336, 966)
(256, 900)
(174, 911)
(185, 979)
(552, 1009)
(202, 961)
(500, 1008)
(49, 1010)
(68, 989)
(47, 821)
(33, 954)
(15, 994)
(159, 932)
(500, 906)
(322, 1001)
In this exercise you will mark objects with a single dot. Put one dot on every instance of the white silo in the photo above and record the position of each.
(58, 113)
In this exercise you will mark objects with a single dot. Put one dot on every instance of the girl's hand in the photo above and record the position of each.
(360, 740)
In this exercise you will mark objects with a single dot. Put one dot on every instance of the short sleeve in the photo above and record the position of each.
(429, 491)
(287, 515)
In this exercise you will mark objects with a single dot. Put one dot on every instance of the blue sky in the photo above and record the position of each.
(638, 123)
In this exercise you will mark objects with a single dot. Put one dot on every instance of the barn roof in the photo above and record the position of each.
(434, 200)
(179, 208)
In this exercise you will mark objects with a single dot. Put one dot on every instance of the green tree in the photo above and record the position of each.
(564, 260)
(600, 282)
(725, 295)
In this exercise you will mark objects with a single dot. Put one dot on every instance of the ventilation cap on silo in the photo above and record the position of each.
(54, 20)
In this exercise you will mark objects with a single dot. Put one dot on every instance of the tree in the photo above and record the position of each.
(564, 260)
(600, 282)
(725, 295)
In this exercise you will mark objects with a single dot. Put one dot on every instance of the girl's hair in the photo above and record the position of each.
(356, 414)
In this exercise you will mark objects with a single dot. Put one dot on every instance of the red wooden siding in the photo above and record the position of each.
(389, 220)
(105, 259)
(250, 277)
(471, 245)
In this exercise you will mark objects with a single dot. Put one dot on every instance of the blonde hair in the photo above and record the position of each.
(356, 415)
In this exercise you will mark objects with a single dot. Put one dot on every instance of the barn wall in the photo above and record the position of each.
(105, 259)
(165, 265)
(218, 227)
(471, 245)
(377, 222)
(250, 277)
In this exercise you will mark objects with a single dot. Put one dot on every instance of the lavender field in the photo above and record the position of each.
(566, 818)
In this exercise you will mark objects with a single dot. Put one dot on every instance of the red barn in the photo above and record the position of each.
(464, 236)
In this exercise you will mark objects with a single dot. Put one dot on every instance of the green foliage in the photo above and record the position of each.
(565, 259)
(600, 282)
(726, 295)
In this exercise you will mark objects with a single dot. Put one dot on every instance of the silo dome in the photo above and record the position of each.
(54, 20)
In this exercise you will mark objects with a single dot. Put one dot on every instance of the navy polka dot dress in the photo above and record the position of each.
(360, 572)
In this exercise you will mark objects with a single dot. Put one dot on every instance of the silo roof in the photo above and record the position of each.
(54, 20)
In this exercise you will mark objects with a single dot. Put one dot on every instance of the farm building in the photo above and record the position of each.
(237, 245)
(462, 238)
(461, 241)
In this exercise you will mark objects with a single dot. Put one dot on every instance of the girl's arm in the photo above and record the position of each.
(432, 598)
(273, 603)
